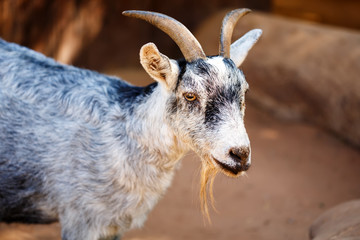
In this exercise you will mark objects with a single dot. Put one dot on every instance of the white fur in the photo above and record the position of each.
(240, 48)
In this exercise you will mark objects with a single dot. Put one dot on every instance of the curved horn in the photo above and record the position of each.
(227, 28)
(189, 46)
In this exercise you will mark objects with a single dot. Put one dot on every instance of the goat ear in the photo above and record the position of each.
(159, 66)
(240, 48)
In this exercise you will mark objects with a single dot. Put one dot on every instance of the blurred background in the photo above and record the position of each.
(79, 31)
(303, 114)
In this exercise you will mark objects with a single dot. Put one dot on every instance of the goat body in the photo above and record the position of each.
(72, 137)
(95, 152)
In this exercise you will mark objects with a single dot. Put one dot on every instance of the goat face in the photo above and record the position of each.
(205, 105)
(205, 95)
(206, 108)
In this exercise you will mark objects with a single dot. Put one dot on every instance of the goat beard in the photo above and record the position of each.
(208, 173)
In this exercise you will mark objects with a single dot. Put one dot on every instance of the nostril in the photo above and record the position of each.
(240, 155)
(234, 154)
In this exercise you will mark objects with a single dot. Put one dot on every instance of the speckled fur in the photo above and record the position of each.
(97, 153)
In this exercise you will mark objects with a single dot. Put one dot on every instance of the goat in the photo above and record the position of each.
(96, 153)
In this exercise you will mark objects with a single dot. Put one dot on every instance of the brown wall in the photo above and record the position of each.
(59, 29)
(82, 31)
(94, 34)
(127, 35)
(344, 13)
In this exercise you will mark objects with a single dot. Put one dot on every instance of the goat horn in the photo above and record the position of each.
(189, 46)
(227, 28)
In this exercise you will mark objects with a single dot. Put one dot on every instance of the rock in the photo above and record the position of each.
(340, 222)
(300, 70)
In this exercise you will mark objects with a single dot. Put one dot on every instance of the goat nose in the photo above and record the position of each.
(240, 155)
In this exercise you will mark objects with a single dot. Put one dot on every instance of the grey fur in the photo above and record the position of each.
(95, 152)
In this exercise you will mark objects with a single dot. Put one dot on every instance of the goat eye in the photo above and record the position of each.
(190, 97)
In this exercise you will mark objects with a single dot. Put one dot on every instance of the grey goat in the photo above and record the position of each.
(97, 153)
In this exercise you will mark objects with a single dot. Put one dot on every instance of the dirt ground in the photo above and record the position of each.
(298, 172)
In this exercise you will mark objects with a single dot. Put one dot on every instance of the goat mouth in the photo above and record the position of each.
(232, 171)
